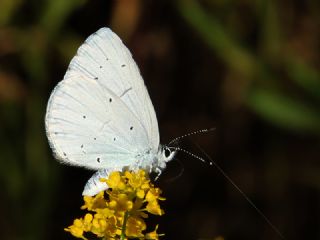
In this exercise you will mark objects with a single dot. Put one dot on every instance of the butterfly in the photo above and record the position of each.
(100, 115)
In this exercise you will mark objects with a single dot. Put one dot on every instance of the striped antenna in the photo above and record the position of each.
(192, 133)
(191, 154)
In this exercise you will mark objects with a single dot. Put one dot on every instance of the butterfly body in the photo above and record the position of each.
(100, 115)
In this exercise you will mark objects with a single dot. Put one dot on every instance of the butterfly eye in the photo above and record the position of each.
(167, 152)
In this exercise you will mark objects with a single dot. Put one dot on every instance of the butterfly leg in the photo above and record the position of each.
(158, 172)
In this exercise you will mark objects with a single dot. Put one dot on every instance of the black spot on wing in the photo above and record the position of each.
(131, 128)
(98, 159)
(123, 65)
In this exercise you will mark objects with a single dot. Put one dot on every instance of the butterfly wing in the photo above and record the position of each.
(89, 125)
(100, 115)
(105, 58)
(94, 185)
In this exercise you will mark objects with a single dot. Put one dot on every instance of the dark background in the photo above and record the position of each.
(248, 68)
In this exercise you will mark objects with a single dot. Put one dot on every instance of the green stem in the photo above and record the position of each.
(124, 225)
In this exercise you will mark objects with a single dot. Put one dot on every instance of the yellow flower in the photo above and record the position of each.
(115, 181)
(92, 203)
(154, 208)
(120, 202)
(136, 209)
(104, 227)
(152, 198)
(76, 229)
(154, 194)
(136, 180)
(152, 235)
(134, 227)
(119, 212)
(140, 193)
(87, 222)
(104, 213)
(80, 225)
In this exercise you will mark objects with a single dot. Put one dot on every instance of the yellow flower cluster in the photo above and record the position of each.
(119, 212)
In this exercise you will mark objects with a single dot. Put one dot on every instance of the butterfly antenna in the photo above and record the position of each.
(192, 133)
(191, 154)
(212, 162)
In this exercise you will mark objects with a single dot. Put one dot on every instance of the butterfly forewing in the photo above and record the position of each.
(104, 57)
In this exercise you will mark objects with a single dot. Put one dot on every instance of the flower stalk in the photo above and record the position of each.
(123, 232)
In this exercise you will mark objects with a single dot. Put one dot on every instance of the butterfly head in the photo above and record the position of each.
(166, 155)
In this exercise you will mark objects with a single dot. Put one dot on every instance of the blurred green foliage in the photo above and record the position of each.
(27, 172)
(262, 66)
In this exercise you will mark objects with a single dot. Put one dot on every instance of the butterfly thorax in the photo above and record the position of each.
(154, 161)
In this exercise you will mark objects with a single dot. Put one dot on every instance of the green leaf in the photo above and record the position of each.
(216, 37)
(284, 111)
(7, 10)
(56, 12)
(304, 76)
